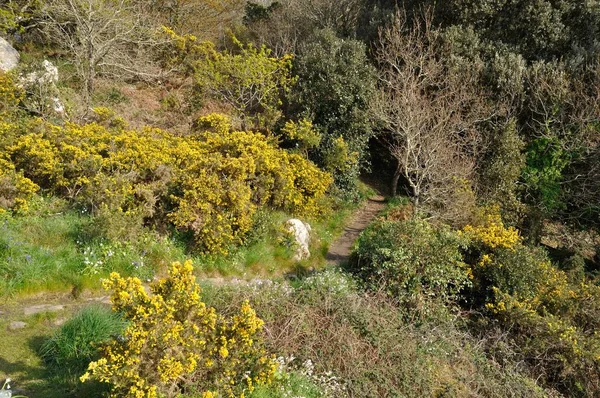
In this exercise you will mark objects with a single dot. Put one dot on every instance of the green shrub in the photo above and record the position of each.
(362, 343)
(411, 261)
(335, 84)
(549, 317)
(75, 344)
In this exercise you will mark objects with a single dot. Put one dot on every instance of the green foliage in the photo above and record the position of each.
(294, 385)
(538, 29)
(255, 12)
(14, 15)
(550, 318)
(335, 85)
(413, 262)
(502, 169)
(546, 161)
(175, 344)
(76, 343)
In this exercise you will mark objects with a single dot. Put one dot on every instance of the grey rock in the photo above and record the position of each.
(9, 57)
(17, 325)
(36, 309)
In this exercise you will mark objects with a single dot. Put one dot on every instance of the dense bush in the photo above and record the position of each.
(209, 184)
(176, 344)
(335, 85)
(360, 345)
(250, 81)
(412, 261)
(551, 319)
(15, 189)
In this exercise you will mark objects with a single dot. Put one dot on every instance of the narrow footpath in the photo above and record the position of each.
(340, 249)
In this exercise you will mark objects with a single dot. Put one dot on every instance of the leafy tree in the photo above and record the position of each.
(335, 85)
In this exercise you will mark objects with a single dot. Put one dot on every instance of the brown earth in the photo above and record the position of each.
(340, 249)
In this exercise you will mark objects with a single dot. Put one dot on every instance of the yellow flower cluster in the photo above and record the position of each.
(10, 94)
(249, 80)
(492, 233)
(303, 132)
(15, 189)
(209, 183)
(175, 342)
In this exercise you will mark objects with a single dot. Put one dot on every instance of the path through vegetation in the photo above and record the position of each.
(340, 249)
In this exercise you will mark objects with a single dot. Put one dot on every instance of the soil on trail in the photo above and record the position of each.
(340, 249)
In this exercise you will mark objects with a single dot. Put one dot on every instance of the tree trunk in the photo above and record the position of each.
(395, 179)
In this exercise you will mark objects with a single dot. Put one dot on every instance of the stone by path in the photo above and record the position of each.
(340, 249)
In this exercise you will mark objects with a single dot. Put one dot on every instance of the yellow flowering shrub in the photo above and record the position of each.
(338, 157)
(251, 81)
(10, 95)
(15, 190)
(492, 233)
(209, 183)
(303, 134)
(547, 316)
(175, 344)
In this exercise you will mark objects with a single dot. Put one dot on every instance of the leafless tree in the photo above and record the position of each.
(109, 37)
(207, 19)
(292, 21)
(428, 107)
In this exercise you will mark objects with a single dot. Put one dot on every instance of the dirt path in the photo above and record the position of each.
(340, 249)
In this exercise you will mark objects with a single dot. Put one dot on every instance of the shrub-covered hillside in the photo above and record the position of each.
(156, 149)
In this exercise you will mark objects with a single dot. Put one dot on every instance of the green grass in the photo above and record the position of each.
(263, 255)
(291, 385)
(72, 347)
(51, 249)
(57, 248)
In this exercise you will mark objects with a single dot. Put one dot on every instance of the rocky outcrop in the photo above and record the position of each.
(9, 57)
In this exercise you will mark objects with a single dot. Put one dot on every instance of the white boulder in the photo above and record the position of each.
(301, 232)
(9, 57)
(47, 75)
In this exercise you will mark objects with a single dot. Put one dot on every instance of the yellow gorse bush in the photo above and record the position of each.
(552, 319)
(175, 343)
(209, 183)
(10, 94)
(15, 190)
(492, 232)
